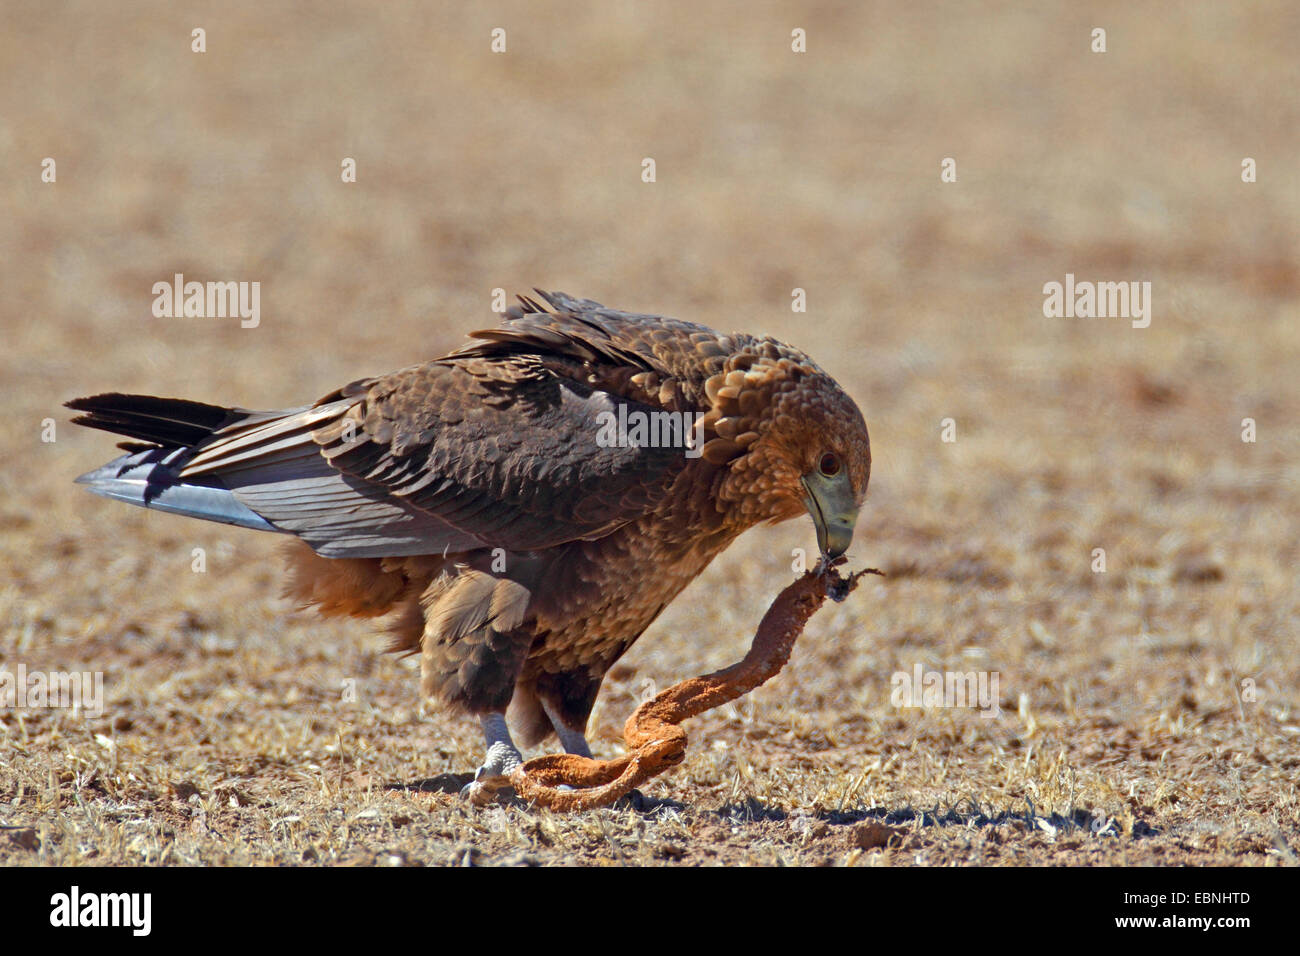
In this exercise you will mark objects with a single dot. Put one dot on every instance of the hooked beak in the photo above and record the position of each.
(834, 512)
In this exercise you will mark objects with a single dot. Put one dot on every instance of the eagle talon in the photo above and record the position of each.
(483, 792)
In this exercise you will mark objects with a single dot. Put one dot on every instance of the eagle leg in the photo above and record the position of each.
(572, 739)
(500, 761)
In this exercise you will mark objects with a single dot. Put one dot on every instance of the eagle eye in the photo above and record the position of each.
(829, 465)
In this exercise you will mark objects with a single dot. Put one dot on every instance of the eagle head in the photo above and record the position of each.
(792, 441)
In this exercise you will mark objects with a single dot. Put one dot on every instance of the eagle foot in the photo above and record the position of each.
(502, 759)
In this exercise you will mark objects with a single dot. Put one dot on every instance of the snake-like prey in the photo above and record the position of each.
(654, 737)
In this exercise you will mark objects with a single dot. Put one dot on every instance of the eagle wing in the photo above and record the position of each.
(495, 445)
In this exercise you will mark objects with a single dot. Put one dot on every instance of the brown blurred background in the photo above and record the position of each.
(775, 170)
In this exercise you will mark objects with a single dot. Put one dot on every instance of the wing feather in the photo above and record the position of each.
(494, 445)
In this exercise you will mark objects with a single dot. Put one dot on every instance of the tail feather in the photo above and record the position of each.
(170, 422)
(148, 479)
(149, 475)
(256, 469)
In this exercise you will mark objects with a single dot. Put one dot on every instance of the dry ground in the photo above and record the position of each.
(1124, 735)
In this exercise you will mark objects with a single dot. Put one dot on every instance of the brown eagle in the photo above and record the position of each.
(523, 507)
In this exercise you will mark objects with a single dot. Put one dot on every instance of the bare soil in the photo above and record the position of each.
(1147, 713)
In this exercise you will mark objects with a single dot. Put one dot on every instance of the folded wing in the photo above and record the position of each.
(497, 445)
